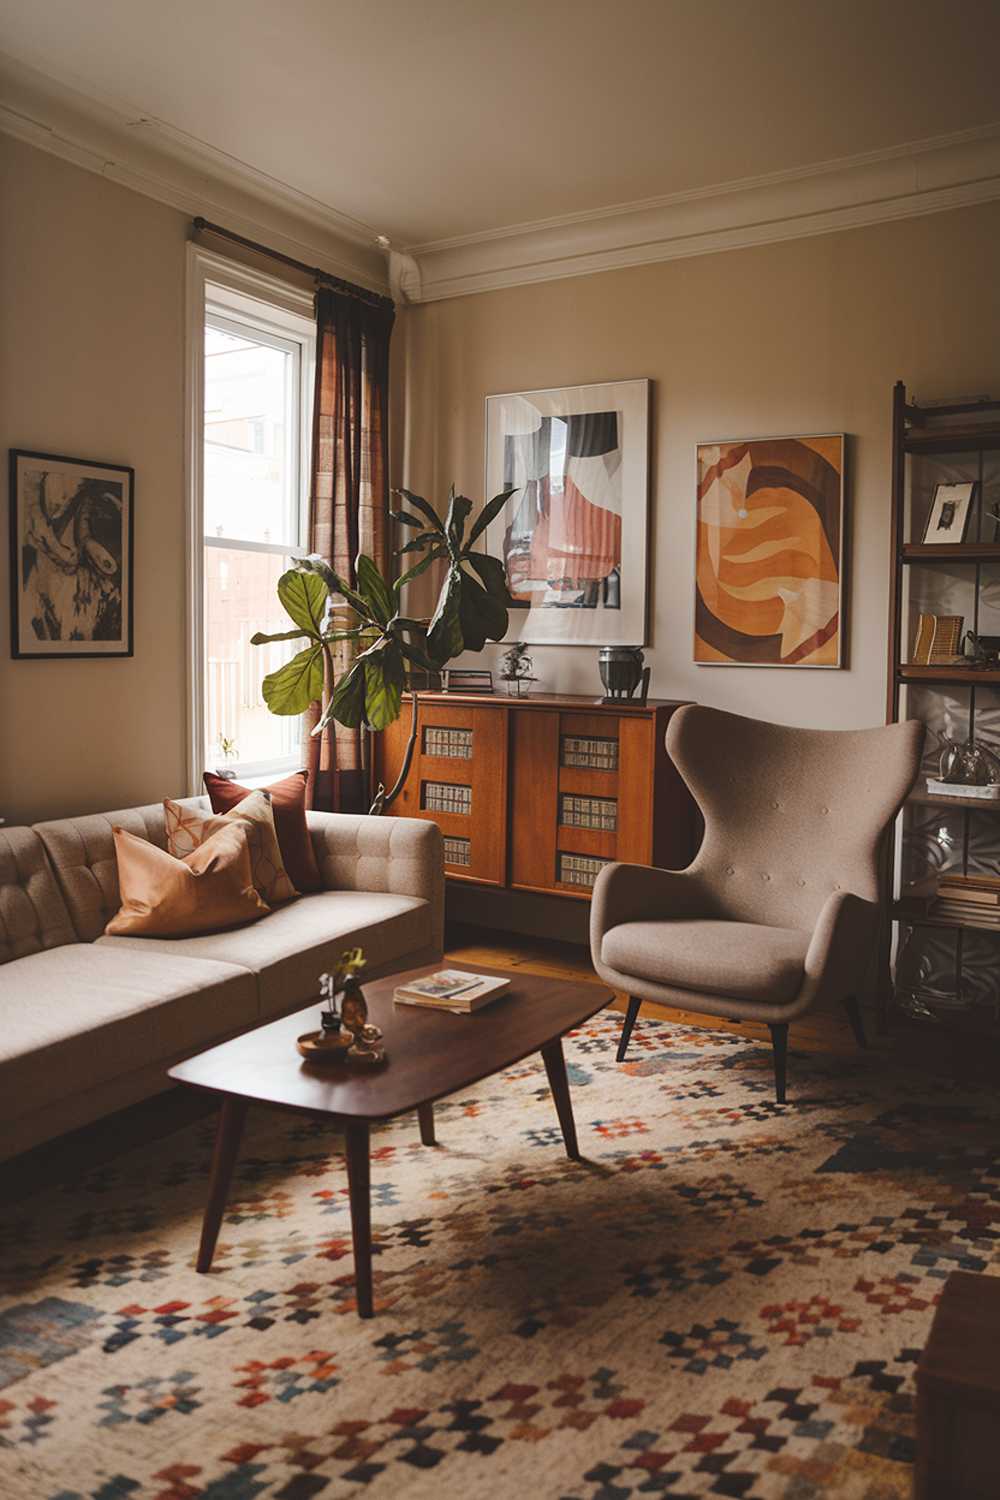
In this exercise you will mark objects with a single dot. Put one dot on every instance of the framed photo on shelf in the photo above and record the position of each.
(573, 535)
(70, 556)
(769, 554)
(948, 518)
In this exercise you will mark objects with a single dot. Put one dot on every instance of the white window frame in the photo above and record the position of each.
(273, 309)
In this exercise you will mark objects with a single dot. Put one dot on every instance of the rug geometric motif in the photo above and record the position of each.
(727, 1297)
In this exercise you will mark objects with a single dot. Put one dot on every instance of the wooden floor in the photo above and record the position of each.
(924, 1046)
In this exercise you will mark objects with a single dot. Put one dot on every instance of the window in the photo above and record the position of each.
(250, 407)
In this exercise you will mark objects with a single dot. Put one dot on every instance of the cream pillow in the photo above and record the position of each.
(188, 828)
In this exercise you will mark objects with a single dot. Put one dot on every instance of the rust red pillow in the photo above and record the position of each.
(288, 803)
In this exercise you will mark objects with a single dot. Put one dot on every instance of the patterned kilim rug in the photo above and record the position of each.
(728, 1299)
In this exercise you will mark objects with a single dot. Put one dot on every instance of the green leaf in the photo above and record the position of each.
(403, 518)
(347, 703)
(375, 589)
(483, 617)
(336, 585)
(489, 513)
(492, 574)
(261, 639)
(444, 634)
(420, 567)
(417, 544)
(292, 688)
(383, 687)
(305, 597)
(418, 657)
(458, 510)
(420, 504)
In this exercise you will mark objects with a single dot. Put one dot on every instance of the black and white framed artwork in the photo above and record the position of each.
(70, 556)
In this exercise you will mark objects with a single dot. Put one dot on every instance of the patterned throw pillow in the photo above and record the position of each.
(189, 827)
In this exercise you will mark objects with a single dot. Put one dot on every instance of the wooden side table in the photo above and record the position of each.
(958, 1394)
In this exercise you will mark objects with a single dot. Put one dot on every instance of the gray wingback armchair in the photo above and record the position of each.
(779, 911)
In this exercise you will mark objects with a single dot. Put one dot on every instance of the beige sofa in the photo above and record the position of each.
(89, 1024)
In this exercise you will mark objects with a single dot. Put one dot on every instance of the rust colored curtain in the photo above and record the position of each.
(348, 497)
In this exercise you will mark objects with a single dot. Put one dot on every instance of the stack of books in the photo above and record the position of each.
(969, 898)
(451, 989)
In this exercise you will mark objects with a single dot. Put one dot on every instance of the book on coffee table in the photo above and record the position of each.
(451, 989)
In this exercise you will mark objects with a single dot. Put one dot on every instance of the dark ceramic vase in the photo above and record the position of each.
(621, 670)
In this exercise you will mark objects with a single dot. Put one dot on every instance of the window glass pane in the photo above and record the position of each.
(241, 598)
(251, 436)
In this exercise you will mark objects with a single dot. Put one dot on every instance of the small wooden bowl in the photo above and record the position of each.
(317, 1047)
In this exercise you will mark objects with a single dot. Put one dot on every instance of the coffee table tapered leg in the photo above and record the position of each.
(555, 1067)
(227, 1145)
(359, 1178)
(425, 1114)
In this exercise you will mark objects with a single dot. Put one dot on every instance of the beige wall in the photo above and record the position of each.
(91, 365)
(805, 336)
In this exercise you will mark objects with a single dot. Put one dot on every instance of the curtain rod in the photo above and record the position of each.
(349, 288)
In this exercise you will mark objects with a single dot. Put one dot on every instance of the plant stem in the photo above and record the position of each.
(384, 799)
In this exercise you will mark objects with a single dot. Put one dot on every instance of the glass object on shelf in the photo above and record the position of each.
(579, 869)
(588, 812)
(592, 753)
(448, 744)
(936, 978)
(515, 671)
(457, 851)
(969, 763)
(447, 797)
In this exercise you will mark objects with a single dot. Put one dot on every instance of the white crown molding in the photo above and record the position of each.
(919, 178)
(161, 162)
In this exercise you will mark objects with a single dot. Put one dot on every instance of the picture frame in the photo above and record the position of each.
(71, 557)
(948, 518)
(574, 533)
(769, 554)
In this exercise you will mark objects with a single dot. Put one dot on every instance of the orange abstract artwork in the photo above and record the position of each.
(770, 526)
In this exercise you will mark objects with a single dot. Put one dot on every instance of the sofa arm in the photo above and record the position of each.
(634, 893)
(405, 856)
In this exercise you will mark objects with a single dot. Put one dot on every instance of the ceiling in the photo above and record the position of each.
(431, 119)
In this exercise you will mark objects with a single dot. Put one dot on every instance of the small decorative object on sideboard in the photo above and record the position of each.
(948, 517)
(622, 671)
(515, 673)
(346, 1032)
(466, 680)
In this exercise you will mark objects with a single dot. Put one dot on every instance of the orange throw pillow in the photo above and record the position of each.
(188, 827)
(166, 897)
(288, 803)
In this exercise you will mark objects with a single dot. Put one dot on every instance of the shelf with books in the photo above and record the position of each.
(945, 470)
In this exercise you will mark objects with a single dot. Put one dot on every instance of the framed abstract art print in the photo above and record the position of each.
(769, 552)
(573, 535)
(70, 556)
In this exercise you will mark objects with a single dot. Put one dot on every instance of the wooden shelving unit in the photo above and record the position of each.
(940, 444)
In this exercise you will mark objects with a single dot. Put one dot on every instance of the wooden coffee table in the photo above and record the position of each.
(431, 1054)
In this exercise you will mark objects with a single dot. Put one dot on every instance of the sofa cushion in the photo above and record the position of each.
(738, 959)
(294, 945)
(82, 854)
(288, 802)
(33, 914)
(77, 1016)
(187, 828)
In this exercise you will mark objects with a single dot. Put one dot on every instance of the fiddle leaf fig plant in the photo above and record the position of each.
(471, 610)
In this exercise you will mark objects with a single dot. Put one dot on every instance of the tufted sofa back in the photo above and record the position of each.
(33, 914)
(791, 815)
(82, 852)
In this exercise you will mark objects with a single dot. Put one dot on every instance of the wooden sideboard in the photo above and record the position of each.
(538, 793)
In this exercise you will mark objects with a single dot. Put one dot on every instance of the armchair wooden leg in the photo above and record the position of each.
(779, 1038)
(853, 1009)
(630, 1015)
